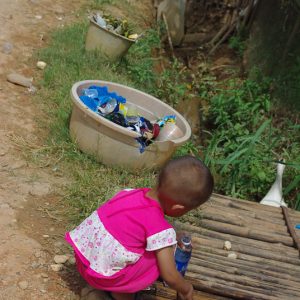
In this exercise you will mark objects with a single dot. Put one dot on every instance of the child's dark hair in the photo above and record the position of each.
(186, 180)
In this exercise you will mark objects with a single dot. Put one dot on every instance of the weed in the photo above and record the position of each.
(244, 139)
(169, 84)
(92, 182)
(241, 141)
(286, 85)
(101, 2)
(236, 43)
(189, 148)
(139, 63)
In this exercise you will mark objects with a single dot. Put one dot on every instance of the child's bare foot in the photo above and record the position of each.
(89, 293)
(121, 296)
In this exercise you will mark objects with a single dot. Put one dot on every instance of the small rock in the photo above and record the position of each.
(5, 206)
(42, 261)
(86, 290)
(41, 65)
(46, 236)
(43, 291)
(19, 79)
(35, 265)
(18, 165)
(133, 36)
(40, 189)
(39, 17)
(58, 244)
(23, 285)
(89, 293)
(227, 245)
(72, 261)
(52, 229)
(7, 48)
(61, 259)
(37, 254)
(32, 89)
(44, 275)
(59, 10)
(232, 255)
(57, 267)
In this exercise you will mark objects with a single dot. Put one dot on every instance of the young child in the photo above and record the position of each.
(126, 244)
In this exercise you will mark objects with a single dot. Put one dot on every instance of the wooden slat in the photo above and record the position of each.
(254, 215)
(264, 269)
(242, 242)
(243, 276)
(220, 215)
(291, 229)
(267, 265)
(232, 230)
(227, 288)
(163, 293)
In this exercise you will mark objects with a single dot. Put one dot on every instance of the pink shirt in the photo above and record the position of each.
(133, 218)
(120, 231)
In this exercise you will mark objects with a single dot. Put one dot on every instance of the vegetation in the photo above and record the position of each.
(168, 83)
(243, 135)
(246, 140)
(92, 183)
(238, 44)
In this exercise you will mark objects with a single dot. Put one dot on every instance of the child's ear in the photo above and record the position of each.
(178, 207)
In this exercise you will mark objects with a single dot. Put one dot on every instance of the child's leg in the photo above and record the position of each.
(122, 296)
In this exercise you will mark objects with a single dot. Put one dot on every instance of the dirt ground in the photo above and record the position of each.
(30, 234)
(32, 229)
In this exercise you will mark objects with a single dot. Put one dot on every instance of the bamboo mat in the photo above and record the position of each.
(267, 264)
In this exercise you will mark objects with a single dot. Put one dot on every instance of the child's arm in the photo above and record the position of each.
(170, 275)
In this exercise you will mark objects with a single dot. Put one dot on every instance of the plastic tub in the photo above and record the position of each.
(112, 45)
(115, 145)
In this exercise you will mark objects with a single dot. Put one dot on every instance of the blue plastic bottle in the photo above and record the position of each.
(91, 93)
(183, 253)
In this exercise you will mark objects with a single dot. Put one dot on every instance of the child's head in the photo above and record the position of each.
(183, 184)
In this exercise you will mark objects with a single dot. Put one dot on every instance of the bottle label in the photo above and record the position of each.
(181, 267)
(182, 258)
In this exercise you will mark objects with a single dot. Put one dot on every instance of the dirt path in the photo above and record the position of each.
(30, 234)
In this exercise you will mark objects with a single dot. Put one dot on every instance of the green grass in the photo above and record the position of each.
(246, 138)
(239, 133)
(91, 182)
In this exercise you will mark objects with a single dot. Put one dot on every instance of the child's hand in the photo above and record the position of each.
(188, 295)
(171, 276)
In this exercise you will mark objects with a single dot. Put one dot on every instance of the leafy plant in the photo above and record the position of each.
(167, 81)
(103, 2)
(286, 85)
(244, 140)
(238, 44)
(139, 63)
